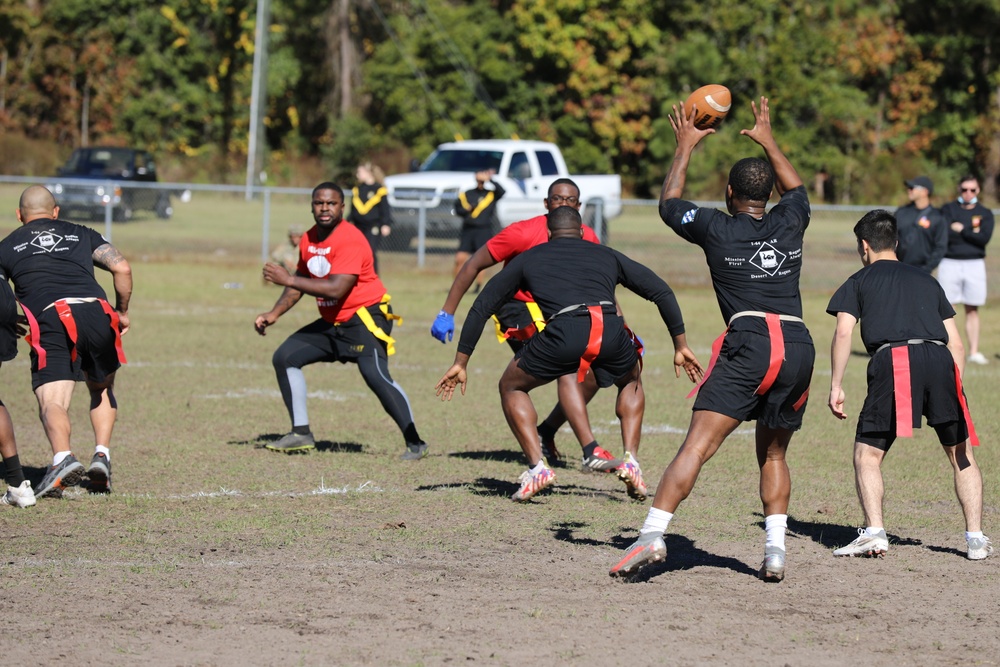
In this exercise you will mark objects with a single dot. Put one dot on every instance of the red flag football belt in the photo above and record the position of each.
(62, 307)
(902, 392)
(777, 355)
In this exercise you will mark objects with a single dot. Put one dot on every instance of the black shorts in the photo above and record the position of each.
(96, 354)
(8, 326)
(556, 350)
(474, 238)
(933, 394)
(343, 342)
(742, 364)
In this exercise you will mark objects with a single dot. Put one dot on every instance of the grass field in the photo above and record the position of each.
(214, 551)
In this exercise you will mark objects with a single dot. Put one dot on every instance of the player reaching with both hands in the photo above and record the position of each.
(761, 366)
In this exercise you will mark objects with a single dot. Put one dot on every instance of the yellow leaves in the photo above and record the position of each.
(293, 116)
(175, 23)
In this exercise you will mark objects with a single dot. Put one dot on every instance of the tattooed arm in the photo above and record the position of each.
(107, 257)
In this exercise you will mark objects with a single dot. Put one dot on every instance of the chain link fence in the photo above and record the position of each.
(219, 223)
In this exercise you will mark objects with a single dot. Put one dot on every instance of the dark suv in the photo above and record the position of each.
(112, 171)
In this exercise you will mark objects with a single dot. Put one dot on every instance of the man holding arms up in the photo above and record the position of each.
(761, 367)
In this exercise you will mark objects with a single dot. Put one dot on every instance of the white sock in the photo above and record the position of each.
(539, 467)
(656, 521)
(59, 457)
(101, 449)
(874, 530)
(972, 536)
(775, 525)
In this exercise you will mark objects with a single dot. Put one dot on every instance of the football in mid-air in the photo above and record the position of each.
(712, 103)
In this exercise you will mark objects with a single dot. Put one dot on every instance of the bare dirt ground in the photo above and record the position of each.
(369, 576)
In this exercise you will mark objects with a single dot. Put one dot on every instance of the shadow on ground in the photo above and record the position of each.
(261, 441)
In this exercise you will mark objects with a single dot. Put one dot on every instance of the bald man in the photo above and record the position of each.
(72, 329)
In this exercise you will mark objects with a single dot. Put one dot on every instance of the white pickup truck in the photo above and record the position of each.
(525, 169)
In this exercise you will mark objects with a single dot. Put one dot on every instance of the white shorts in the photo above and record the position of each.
(963, 280)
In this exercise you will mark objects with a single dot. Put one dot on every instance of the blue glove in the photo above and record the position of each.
(443, 327)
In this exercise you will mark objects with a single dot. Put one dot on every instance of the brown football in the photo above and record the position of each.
(712, 103)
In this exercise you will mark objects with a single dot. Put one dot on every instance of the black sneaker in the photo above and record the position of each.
(66, 474)
(414, 451)
(293, 443)
(99, 473)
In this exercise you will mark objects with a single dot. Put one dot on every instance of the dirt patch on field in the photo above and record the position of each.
(368, 575)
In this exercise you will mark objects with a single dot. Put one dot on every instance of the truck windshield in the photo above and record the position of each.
(99, 161)
(462, 160)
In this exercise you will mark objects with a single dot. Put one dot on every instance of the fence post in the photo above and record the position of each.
(266, 233)
(421, 232)
(599, 220)
(109, 192)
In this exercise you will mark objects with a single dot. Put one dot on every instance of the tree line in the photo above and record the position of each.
(863, 94)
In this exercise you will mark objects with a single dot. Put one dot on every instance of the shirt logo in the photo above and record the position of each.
(768, 259)
(319, 266)
(47, 241)
(977, 220)
(924, 222)
(689, 216)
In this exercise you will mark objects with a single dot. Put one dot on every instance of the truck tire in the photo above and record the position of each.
(163, 208)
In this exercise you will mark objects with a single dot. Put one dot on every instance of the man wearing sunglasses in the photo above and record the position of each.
(962, 272)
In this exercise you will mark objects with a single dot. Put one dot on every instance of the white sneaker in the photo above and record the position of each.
(979, 548)
(978, 358)
(866, 545)
(23, 496)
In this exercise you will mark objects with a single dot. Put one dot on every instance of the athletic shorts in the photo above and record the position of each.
(514, 315)
(474, 238)
(933, 394)
(963, 280)
(343, 342)
(8, 323)
(739, 370)
(96, 354)
(556, 350)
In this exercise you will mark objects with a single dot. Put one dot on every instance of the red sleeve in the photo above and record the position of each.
(508, 243)
(590, 235)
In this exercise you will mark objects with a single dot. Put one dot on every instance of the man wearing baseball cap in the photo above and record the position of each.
(923, 234)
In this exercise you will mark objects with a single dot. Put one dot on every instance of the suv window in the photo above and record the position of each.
(547, 163)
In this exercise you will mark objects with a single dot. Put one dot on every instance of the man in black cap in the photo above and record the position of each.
(923, 234)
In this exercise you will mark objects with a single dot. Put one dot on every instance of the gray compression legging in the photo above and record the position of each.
(310, 345)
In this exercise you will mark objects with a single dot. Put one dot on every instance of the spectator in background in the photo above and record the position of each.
(287, 254)
(478, 209)
(370, 210)
(923, 234)
(962, 272)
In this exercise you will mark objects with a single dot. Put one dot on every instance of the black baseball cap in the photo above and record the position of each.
(921, 182)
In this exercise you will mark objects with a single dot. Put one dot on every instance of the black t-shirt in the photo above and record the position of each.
(755, 264)
(48, 260)
(894, 302)
(478, 208)
(566, 272)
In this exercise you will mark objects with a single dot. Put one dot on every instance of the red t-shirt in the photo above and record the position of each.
(344, 251)
(521, 236)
